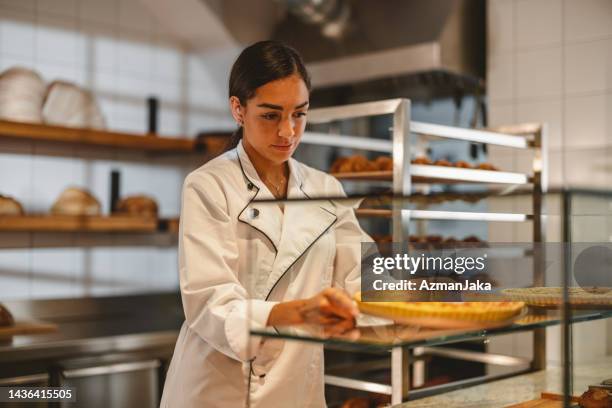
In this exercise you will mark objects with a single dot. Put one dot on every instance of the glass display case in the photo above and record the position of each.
(303, 265)
(320, 238)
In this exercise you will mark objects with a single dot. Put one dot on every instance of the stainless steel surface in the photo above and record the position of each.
(111, 369)
(358, 384)
(354, 142)
(127, 385)
(401, 169)
(400, 374)
(95, 326)
(434, 173)
(471, 135)
(356, 110)
(25, 379)
(467, 355)
(466, 216)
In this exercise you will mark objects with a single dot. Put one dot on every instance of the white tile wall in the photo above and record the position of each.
(538, 23)
(500, 77)
(587, 19)
(563, 76)
(586, 121)
(500, 27)
(117, 49)
(588, 66)
(538, 73)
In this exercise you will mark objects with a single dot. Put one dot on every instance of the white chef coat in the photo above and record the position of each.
(237, 259)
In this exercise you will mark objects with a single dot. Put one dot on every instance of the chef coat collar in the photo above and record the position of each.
(252, 179)
(293, 233)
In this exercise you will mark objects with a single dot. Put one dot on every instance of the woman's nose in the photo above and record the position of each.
(286, 128)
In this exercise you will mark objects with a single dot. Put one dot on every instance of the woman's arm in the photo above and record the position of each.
(331, 308)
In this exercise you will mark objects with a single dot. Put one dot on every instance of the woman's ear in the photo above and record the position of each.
(237, 110)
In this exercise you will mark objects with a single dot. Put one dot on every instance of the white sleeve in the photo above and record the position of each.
(215, 302)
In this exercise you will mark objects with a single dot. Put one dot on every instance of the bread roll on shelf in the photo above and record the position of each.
(138, 205)
(68, 104)
(76, 201)
(6, 319)
(22, 92)
(10, 206)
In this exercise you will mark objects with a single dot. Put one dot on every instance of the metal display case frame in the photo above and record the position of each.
(528, 136)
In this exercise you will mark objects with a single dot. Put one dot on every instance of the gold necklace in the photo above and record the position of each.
(277, 188)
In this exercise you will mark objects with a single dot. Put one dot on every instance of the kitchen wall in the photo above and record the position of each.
(117, 49)
(551, 61)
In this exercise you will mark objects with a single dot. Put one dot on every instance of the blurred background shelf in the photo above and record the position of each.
(72, 223)
(212, 143)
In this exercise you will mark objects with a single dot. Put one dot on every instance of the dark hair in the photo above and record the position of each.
(258, 64)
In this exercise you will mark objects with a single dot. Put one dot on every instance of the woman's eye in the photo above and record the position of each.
(300, 114)
(269, 116)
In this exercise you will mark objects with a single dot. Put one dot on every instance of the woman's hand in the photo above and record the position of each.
(331, 309)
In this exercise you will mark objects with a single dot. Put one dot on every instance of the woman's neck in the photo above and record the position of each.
(267, 170)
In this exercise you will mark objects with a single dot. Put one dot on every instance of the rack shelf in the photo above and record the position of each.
(99, 138)
(429, 174)
(74, 223)
(445, 215)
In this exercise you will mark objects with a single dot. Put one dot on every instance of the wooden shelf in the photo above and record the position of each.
(373, 213)
(92, 137)
(170, 225)
(72, 223)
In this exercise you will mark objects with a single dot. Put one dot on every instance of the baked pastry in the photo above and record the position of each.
(75, 201)
(337, 164)
(6, 319)
(140, 205)
(553, 296)
(68, 104)
(21, 95)
(460, 311)
(463, 164)
(595, 398)
(442, 162)
(10, 206)
(487, 166)
(384, 163)
(421, 160)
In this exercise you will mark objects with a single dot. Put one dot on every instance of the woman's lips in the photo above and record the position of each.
(283, 148)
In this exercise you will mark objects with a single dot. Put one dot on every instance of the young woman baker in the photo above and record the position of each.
(246, 265)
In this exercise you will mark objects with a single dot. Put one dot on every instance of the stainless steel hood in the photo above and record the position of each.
(357, 48)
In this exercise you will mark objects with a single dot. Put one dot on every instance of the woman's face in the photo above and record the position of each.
(274, 119)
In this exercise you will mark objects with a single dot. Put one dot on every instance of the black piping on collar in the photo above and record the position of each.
(249, 203)
(250, 182)
(300, 256)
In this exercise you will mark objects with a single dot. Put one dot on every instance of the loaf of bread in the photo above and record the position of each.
(140, 205)
(67, 104)
(6, 319)
(10, 206)
(76, 201)
(21, 95)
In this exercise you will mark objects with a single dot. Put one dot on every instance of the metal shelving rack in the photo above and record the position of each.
(405, 174)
